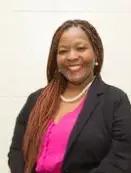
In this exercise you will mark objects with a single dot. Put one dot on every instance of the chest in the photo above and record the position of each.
(66, 109)
(90, 140)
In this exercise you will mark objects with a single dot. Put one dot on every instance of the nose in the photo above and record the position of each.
(72, 55)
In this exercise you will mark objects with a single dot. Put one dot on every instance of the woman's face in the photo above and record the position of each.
(75, 56)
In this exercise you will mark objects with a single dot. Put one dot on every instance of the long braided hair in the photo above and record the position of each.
(48, 102)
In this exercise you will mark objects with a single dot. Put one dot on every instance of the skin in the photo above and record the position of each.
(74, 48)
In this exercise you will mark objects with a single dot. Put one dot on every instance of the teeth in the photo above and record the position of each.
(74, 67)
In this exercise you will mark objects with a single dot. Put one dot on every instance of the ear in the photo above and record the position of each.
(96, 64)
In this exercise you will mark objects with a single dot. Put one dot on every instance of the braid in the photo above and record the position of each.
(48, 102)
(44, 111)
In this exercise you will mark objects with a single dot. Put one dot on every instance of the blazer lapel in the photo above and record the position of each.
(90, 104)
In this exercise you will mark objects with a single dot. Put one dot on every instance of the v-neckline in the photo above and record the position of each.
(70, 112)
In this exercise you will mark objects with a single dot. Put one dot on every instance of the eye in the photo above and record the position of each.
(81, 49)
(62, 52)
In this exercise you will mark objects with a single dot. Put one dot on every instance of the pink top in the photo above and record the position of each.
(55, 141)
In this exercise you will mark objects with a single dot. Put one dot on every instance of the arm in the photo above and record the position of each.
(118, 160)
(15, 155)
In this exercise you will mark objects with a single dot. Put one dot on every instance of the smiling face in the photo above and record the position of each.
(75, 56)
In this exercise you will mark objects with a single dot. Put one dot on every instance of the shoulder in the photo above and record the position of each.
(31, 100)
(115, 91)
(28, 106)
(34, 95)
(116, 94)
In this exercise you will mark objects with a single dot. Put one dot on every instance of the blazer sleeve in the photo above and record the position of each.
(15, 155)
(118, 160)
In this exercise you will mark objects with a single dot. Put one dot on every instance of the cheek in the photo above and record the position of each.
(89, 57)
(89, 62)
(60, 61)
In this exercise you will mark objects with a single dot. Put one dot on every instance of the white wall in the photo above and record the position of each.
(26, 29)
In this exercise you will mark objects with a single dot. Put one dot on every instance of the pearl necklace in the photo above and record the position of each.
(76, 97)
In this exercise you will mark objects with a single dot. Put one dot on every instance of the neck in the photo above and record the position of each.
(73, 90)
(79, 87)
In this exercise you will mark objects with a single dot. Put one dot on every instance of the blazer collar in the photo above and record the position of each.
(92, 100)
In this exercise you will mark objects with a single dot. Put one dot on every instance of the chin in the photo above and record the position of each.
(77, 82)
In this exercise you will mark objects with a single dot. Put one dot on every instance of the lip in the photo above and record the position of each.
(74, 68)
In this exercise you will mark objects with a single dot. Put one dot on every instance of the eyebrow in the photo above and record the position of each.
(62, 46)
(77, 44)
(83, 42)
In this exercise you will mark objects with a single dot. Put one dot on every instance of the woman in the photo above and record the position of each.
(77, 123)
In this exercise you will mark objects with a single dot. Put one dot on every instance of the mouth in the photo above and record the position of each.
(74, 68)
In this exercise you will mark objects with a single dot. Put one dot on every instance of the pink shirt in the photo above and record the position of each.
(55, 141)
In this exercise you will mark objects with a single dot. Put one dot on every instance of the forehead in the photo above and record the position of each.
(73, 34)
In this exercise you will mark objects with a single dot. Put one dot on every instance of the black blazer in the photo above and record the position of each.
(101, 138)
